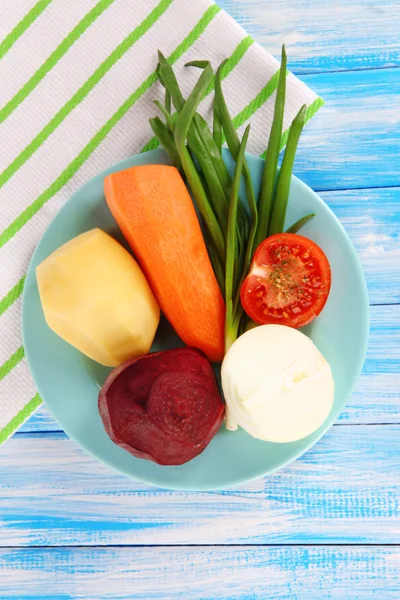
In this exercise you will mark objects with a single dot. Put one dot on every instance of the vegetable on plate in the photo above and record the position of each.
(95, 296)
(164, 407)
(155, 212)
(288, 282)
(233, 233)
(277, 385)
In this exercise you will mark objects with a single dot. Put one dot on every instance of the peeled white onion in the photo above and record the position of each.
(277, 385)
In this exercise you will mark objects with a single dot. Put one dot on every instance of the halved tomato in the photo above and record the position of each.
(288, 282)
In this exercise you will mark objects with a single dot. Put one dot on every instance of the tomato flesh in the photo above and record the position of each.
(288, 282)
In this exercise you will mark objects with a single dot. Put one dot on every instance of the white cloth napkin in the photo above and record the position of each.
(77, 84)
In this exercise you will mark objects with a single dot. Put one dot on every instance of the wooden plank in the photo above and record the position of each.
(377, 396)
(371, 217)
(41, 420)
(345, 490)
(324, 36)
(353, 141)
(281, 573)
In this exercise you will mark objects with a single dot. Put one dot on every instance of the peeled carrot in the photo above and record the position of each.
(155, 212)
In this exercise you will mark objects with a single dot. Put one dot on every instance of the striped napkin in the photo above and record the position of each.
(77, 84)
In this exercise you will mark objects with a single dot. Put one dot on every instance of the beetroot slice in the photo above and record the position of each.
(163, 407)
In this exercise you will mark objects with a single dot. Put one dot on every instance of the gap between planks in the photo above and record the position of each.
(60, 434)
(355, 189)
(300, 73)
(33, 548)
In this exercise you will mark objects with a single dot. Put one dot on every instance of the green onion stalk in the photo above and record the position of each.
(232, 232)
(233, 317)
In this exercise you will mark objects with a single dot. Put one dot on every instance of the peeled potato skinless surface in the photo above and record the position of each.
(95, 296)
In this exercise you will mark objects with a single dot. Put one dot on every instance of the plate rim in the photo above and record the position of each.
(125, 163)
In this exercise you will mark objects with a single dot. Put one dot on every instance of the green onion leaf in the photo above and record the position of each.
(272, 156)
(278, 215)
(167, 141)
(232, 321)
(300, 223)
(233, 141)
(182, 126)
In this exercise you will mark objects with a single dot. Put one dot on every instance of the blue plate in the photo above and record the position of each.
(69, 383)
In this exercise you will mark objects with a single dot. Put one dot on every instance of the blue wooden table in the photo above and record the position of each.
(326, 527)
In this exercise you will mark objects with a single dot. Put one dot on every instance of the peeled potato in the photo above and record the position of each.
(95, 296)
